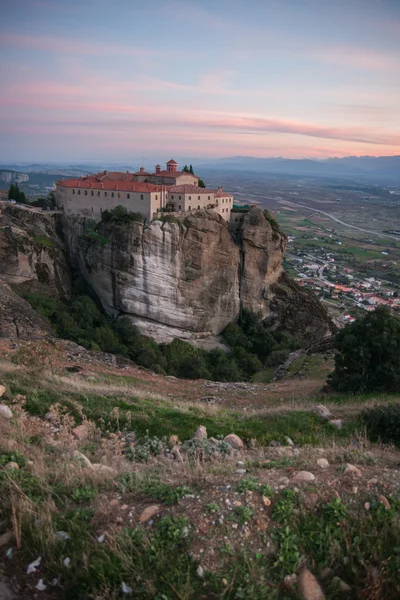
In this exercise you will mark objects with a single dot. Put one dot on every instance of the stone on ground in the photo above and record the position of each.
(2, 390)
(338, 423)
(12, 466)
(149, 512)
(352, 470)
(5, 412)
(321, 411)
(303, 476)
(234, 440)
(99, 468)
(309, 588)
(201, 433)
(383, 500)
(322, 463)
(80, 432)
(82, 458)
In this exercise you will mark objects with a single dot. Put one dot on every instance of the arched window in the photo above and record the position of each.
(73, 191)
(98, 193)
(190, 197)
(79, 192)
(141, 196)
(91, 193)
(112, 194)
(198, 208)
(128, 196)
(198, 198)
(189, 208)
(105, 193)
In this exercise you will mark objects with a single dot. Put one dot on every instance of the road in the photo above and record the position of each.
(386, 235)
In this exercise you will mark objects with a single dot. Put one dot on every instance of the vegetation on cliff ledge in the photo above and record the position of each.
(255, 350)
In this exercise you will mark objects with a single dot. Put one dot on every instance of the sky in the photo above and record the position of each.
(114, 80)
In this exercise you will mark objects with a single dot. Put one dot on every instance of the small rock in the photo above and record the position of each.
(2, 390)
(32, 567)
(352, 470)
(67, 562)
(341, 585)
(354, 490)
(6, 538)
(81, 432)
(201, 433)
(62, 535)
(98, 468)
(224, 582)
(234, 440)
(383, 500)
(321, 411)
(309, 588)
(303, 476)
(124, 507)
(266, 501)
(240, 471)
(323, 463)
(82, 458)
(367, 506)
(11, 465)
(149, 512)
(200, 571)
(125, 588)
(101, 538)
(274, 444)
(5, 412)
(338, 423)
(289, 442)
(114, 502)
(41, 586)
(372, 481)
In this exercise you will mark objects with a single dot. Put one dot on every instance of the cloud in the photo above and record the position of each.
(350, 57)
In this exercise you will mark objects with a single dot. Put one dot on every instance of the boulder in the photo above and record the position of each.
(5, 412)
(2, 390)
(321, 411)
(149, 512)
(309, 588)
(98, 468)
(234, 440)
(303, 477)
(322, 463)
(338, 423)
(10, 466)
(82, 458)
(81, 432)
(201, 433)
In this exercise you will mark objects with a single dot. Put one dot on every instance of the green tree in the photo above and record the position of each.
(185, 169)
(191, 170)
(14, 193)
(368, 354)
(201, 183)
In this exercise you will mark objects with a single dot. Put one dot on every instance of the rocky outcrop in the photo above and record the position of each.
(17, 317)
(32, 255)
(188, 277)
(176, 279)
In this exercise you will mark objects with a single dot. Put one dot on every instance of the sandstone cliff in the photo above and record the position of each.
(189, 277)
(32, 255)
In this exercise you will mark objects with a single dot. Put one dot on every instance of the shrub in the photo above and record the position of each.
(383, 423)
(368, 354)
(121, 216)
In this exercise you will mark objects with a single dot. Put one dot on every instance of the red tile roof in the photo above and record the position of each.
(189, 189)
(172, 162)
(109, 184)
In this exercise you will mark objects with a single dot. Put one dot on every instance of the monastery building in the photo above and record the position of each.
(167, 190)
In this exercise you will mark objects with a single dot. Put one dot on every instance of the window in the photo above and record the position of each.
(92, 208)
(85, 192)
(141, 196)
(179, 207)
(92, 193)
(112, 194)
(189, 208)
(180, 198)
(98, 193)
(198, 208)
(73, 191)
(128, 196)
(223, 200)
(105, 193)
(172, 197)
(156, 196)
(190, 197)
(79, 192)
(209, 197)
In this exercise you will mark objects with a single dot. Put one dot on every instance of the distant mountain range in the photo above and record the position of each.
(380, 169)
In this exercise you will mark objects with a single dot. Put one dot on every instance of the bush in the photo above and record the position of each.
(383, 423)
(368, 354)
(121, 215)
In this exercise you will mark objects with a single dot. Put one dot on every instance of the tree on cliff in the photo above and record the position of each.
(201, 183)
(14, 193)
(368, 354)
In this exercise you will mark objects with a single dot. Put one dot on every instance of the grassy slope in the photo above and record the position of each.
(244, 547)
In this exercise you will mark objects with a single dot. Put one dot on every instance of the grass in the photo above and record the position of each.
(43, 240)
(158, 560)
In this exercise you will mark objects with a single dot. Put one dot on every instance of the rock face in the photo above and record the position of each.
(17, 317)
(32, 255)
(189, 277)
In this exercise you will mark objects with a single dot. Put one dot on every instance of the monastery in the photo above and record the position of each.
(167, 190)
